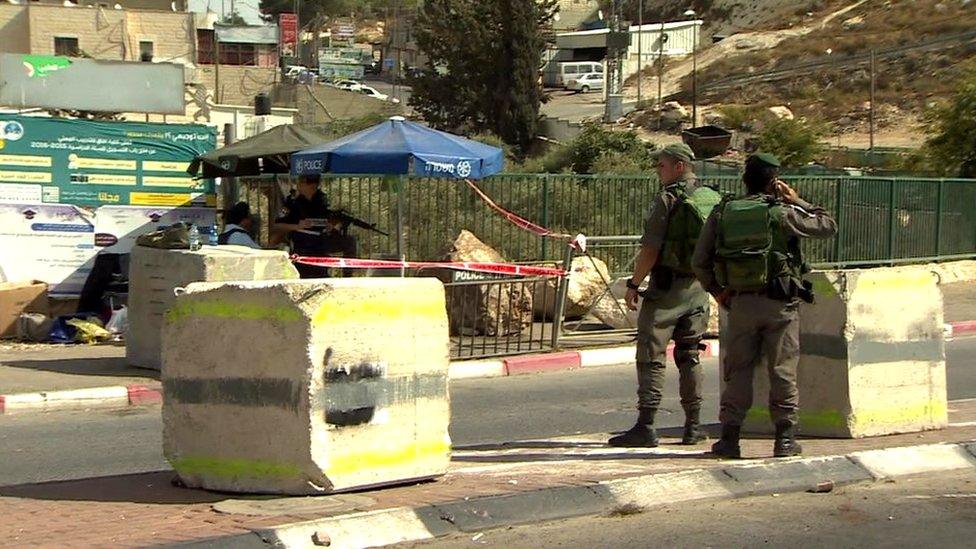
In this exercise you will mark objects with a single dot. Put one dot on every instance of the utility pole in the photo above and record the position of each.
(871, 112)
(298, 38)
(660, 72)
(397, 48)
(694, 67)
(640, 46)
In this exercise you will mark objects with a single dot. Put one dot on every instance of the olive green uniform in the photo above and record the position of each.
(678, 312)
(761, 329)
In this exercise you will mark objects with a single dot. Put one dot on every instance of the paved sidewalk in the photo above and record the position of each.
(145, 509)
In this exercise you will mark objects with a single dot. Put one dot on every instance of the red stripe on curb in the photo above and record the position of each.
(3, 404)
(140, 395)
(542, 363)
(966, 327)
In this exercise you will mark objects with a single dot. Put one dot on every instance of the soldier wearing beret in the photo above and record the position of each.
(748, 257)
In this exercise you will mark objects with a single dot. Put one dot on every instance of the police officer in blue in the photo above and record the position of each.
(306, 223)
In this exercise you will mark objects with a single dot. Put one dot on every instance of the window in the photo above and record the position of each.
(66, 46)
(145, 50)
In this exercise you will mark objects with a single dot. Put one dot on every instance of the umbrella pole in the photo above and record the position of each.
(401, 248)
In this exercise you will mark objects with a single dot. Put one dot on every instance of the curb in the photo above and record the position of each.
(558, 361)
(405, 524)
(960, 328)
(132, 395)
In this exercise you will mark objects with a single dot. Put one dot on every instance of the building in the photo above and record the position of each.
(248, 55)
(647, 43)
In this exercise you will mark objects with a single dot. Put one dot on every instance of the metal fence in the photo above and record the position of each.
(881, 220)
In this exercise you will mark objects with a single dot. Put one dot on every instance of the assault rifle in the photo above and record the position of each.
(346, 219)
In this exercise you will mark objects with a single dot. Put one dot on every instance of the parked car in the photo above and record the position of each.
(584, 83)
(293, 71)
(367, 90)
(348, 85)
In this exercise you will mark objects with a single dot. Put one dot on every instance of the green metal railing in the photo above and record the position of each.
(880, 220)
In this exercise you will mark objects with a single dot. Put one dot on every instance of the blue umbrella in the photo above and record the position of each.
(399, 147)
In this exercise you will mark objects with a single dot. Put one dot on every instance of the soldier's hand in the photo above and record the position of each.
(304, 224)
(631, 299)
(786, 193)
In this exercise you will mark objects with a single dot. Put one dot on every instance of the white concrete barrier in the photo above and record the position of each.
(872, 356)
(307, 387)
(155, 273)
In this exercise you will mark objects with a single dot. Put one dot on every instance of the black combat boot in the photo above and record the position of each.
(641, 435)
(786, 444)
(693, 433)
(728, 445)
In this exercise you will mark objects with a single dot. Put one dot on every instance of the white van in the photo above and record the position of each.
(572, 70)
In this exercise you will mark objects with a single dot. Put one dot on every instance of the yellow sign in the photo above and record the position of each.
(25, 177)
(25, 160)
(160, 181)
(100, 163)
(107, 179)
(159, 199)
(157, 166)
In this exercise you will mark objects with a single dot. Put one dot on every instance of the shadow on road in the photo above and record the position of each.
(156, 488)
(100, 366)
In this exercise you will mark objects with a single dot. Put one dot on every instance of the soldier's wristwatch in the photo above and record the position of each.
(631, 285)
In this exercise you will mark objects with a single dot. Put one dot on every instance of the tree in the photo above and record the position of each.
(951, 147)
(484, 59)
(795, 142)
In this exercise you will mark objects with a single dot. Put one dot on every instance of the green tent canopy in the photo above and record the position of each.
(265, 153)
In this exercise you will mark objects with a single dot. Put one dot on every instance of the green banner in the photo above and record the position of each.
(39, 66)
(89, 163)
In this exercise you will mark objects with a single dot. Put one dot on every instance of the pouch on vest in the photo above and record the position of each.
(685, 225)
(745, 245)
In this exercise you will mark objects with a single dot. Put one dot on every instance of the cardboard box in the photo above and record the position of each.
(17, 298)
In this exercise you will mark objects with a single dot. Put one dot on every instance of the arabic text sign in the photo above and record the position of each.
(87, 163)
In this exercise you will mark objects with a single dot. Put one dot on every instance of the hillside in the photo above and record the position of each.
(820, 66)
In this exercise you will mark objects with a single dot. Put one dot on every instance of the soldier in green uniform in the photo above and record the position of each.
(675, 305)
(749, 258)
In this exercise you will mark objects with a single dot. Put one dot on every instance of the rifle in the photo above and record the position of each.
(347, 219)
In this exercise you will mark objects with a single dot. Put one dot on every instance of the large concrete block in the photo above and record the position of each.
(154, 275)
(872, 356)
(307, 387)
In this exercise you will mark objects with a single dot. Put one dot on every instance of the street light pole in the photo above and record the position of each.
(640, 47)
(694, 69)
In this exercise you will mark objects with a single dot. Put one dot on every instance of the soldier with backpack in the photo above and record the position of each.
(749, 258)
(675, 305)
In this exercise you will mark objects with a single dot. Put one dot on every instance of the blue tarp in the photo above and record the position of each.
(399, 147)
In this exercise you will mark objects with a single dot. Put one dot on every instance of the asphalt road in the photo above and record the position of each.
(66, 445)
(935, 510)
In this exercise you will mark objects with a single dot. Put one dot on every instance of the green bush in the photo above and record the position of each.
(795, 142)
(951, 147)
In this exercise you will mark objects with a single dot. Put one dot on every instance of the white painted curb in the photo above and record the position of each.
(609, 356)
(402, 524)
(466, 369)
(63, 400)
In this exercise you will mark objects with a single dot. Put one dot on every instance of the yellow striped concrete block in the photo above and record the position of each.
(155, 274)
(307, 387)
(872, 356)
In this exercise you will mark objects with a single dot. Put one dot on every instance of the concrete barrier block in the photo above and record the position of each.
(307, 387)
(154, 274)
(872, 356)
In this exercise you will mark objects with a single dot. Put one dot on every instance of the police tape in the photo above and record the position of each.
(578, 241)
(491, 268)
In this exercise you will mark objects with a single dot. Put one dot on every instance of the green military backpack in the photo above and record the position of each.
(751, 248)
(687, 219)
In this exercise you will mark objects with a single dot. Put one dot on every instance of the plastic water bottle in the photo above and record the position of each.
(213, 234)
(194, 237)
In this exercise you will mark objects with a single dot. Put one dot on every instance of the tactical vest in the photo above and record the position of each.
(752, 249)
(685, 224)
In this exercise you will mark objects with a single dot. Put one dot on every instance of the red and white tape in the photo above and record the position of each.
(492, 268)
(578, 241)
